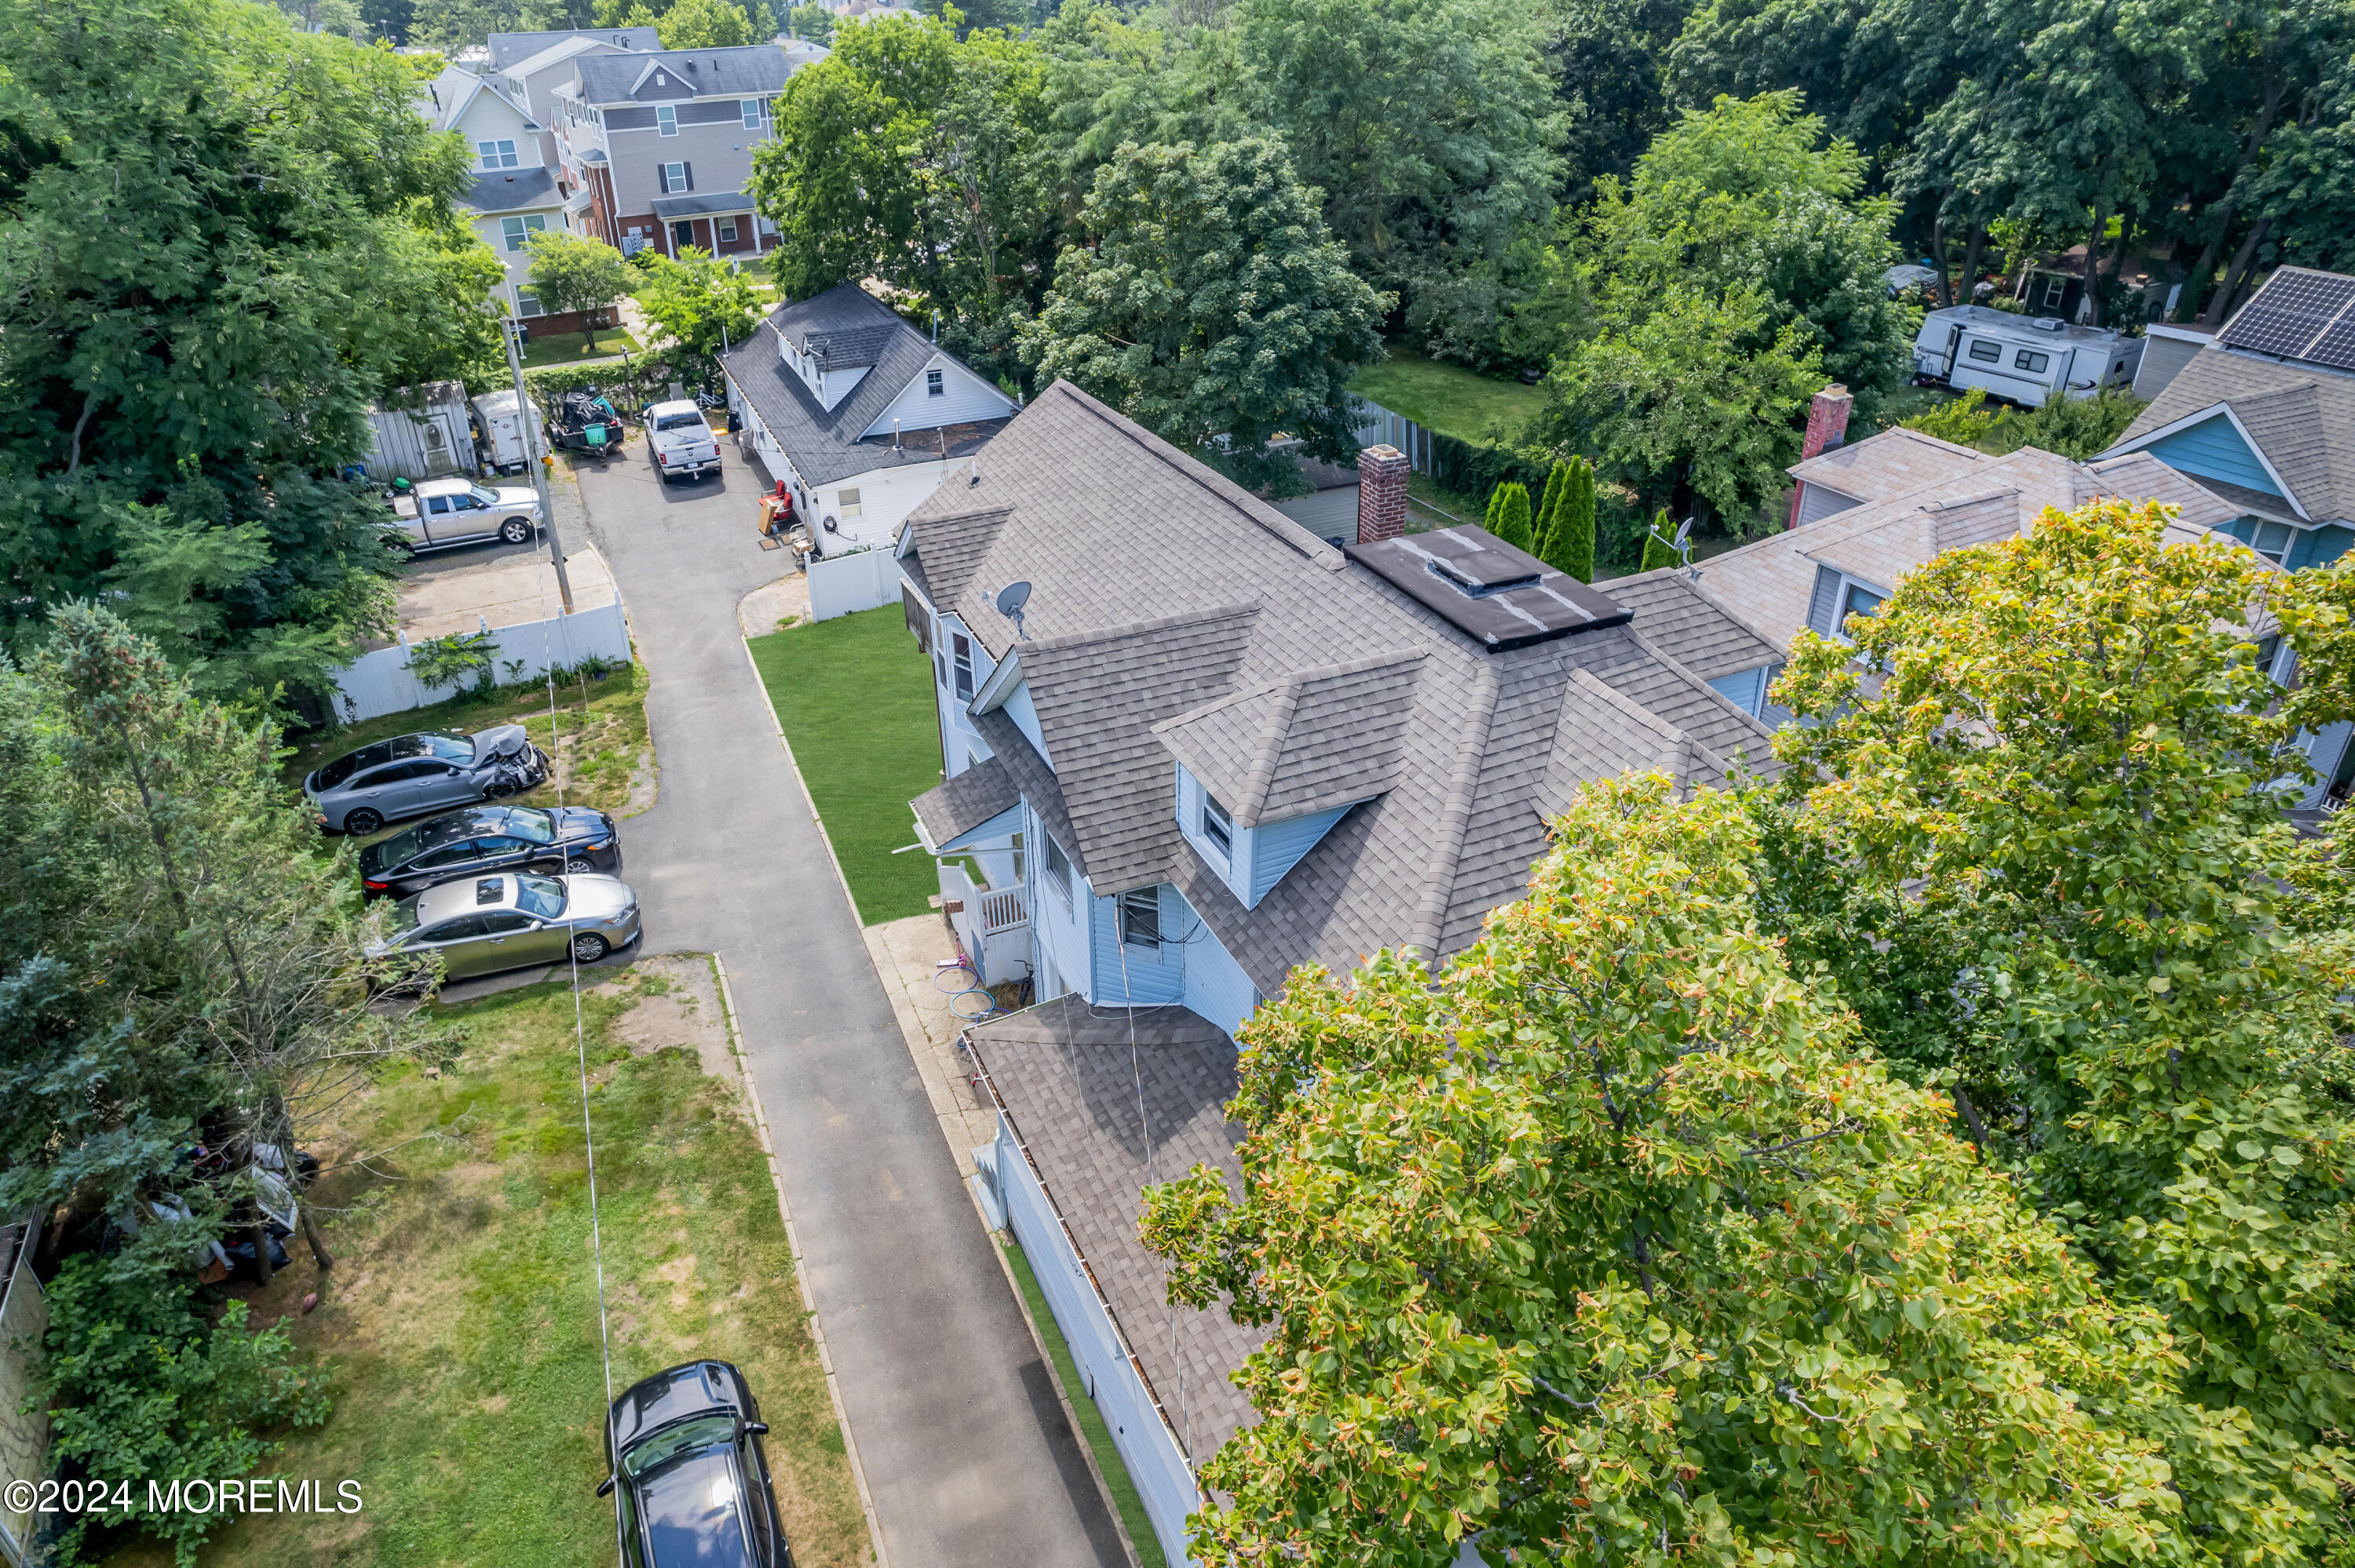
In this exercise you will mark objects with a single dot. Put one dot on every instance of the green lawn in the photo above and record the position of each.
(1449, 399)
(566, 347)
(459, 1324)
(1133, 1517)
(855, 696)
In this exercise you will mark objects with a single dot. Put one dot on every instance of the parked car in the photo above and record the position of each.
(689, 1481)
(682, 443)
(439, 513)
(409, 775)
(487, 839)
(490, 923)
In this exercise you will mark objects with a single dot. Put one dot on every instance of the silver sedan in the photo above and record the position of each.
(484, 925)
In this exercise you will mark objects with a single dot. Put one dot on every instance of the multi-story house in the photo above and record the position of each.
(514, 194)
(530, 66)
(657, 146)
(1192, 744)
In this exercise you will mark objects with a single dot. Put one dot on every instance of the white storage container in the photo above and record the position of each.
(501, 415)
(424, 434)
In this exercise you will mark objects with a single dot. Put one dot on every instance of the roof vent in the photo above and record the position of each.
(1500, 596)
(2048, 324)
(1480, 578)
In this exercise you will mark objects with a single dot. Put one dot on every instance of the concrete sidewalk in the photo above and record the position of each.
(952, 1415)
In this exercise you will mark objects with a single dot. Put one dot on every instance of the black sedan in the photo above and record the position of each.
(488, 839)
(689, 1481)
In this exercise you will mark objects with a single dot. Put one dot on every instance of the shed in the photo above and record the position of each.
(421, 434)
(1329, 510)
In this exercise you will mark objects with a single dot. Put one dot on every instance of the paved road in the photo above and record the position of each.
(966, 1449)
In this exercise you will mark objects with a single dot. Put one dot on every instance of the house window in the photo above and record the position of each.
(2028, 359)
(2267, 538)
(1217, 826)
(751, 110)
(1836, 597)
(1140, 918)
(961, 656)
(666, 119)
(527, 303)
(1860, 600)
(847, 503)
(2269, 654)
(728, 231)
(496, 155)
(1059, 867)
(1986, 353)
(932, 387)
(674, 177)
(517, 231)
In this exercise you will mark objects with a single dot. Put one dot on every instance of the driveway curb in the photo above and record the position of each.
(800, 1274)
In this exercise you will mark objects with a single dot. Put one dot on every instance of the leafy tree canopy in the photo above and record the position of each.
(572, 273)
(1213, 307)
(698, 301)
(704, 25)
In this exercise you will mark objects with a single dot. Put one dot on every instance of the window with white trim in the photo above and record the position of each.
(1059, 867)
(527, 305)
(961, 658)
(674, 177)
(666, 119)
(751, 108)
(517, 231)
(1140, 918)
(728, 231)
(848, 504)
(1218, 826)
(496, 155)
(934, 386)
(1836, 597)
(2056, 289)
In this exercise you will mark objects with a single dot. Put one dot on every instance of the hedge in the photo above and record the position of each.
(1477, 468)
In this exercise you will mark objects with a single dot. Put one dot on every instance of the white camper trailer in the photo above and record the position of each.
(2027, 360)
(423, 435)
(501, 416)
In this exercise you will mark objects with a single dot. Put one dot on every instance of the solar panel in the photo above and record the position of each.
(2335, 348)
(2289, 313)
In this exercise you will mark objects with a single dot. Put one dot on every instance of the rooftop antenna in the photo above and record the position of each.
(1010, 600)
(1681, 545)
(895, 433)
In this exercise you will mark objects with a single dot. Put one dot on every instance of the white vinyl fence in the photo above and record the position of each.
(845, 585)
(381, 682)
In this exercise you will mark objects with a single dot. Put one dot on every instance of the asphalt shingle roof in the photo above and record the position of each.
(519, 190)
(1316, 739)
(1102, 1115)
(827, 444)
(510, 50)
(2301, 418)
(966, 801)
(1675, 614)
(1894, 462)
(749, 70)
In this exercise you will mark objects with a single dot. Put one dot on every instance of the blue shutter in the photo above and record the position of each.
(1823, 608)
(690, 171)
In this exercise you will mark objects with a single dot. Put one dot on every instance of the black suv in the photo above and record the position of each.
(689, 1481)
(482, 840)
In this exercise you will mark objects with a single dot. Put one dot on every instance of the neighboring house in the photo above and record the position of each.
(1329, 510)
(660, 144)
(514, 195)
(532, 80)
(858, 413)
(1215, 747)
(2166, 349)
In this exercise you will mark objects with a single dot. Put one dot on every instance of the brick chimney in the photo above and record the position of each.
(1827, 422)
(1381, 493)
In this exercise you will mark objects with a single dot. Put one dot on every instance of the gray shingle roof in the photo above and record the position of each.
(1067, 1077)
(700, 204)
(825, 444)
(966, 801)
(1602, 734)
(1316, 739)
(750, 70)
(520, 190)
(1113, 527)
(1673, 614)
(2302, 419)
(514, 48)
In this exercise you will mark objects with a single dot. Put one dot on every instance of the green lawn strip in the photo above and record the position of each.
(1449, 399)
(570, 347)
(459, 1324)
(1132, 1518)
(855, 696)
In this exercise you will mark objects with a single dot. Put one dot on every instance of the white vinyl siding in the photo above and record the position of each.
(517, 231)
(965, 397)
(666, 119)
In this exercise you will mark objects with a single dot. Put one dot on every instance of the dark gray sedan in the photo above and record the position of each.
(480, 841)
(409, 775)
(495, 923)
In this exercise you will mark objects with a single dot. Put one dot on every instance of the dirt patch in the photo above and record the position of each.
(677, 1005)
(773, 606)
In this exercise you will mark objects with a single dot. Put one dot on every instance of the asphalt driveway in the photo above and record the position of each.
(964, 1446)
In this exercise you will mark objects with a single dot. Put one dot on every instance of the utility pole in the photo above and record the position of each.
(528, 415)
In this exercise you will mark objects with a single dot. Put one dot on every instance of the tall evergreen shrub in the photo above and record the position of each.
(1570, 535)
(1658, 552)
(1508, 516)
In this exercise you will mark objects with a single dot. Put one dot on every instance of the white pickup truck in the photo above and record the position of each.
(439, 513)
(681, 442)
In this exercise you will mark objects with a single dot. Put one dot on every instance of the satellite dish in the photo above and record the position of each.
(1012, 597)
(1684, 532)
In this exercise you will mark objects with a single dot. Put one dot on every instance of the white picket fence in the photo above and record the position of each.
(846, 585)
(381, 682)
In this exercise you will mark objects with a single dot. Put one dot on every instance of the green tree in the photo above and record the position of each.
(1698, 403)
(2059, 803)
(1964, 420)
(697, 302)
(1541, 526)
(571, 272)
(1608, 1242)
(1657, 551)
(1212, 308)
(704, 25)
(1509, 516)
(813, 21)
(1570, 537)
(279, 252)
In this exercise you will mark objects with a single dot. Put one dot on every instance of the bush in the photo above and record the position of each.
(1964, 420)
(1477, 468)
(2078, 427)
(142, 1388)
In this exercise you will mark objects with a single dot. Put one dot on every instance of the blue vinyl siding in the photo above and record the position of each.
(2319, 547)
(1019, 708)
(1745, 689)
(2214, 449)
(1056, 923)
(1128, 975)
(1276, 847)
(1216, 986)
(1233, 870)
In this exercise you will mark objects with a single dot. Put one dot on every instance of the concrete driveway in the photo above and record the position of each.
(963, 1443)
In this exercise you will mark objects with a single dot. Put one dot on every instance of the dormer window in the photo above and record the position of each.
(750, 110)
(1218, 826)
(932, 386)
(666, 119)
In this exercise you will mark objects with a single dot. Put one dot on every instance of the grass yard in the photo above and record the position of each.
(571, 347)
(855, 696)
(601, 749)
(460, 1322)
(1449, 399)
